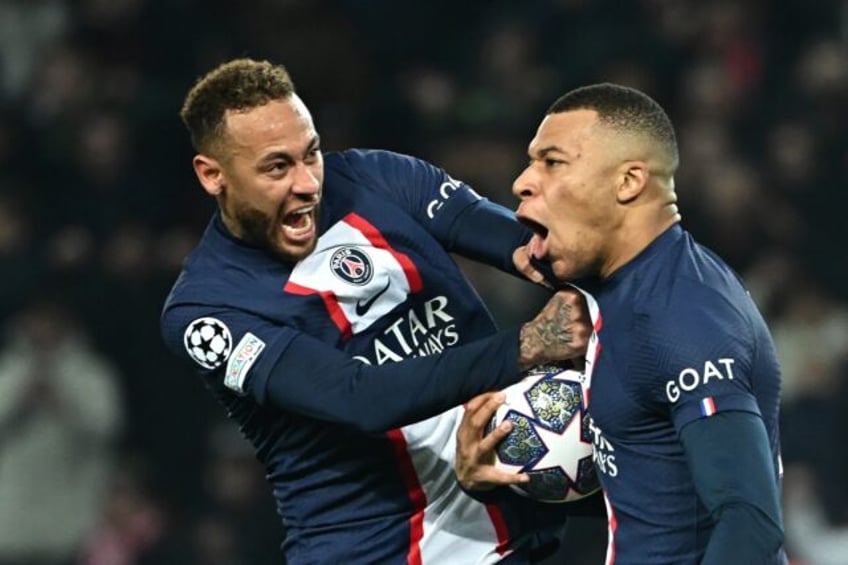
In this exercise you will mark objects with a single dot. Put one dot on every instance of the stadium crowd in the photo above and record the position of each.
(102, 429)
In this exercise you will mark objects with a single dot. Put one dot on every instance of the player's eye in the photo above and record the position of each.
(313, 154)
(553, 162)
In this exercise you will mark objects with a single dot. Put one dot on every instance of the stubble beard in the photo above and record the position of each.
(264, 231)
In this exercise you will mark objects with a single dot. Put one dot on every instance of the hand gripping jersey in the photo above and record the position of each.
(361, 469)
(680, 340)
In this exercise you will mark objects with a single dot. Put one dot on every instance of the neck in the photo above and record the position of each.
(231, 224)
(633, 236)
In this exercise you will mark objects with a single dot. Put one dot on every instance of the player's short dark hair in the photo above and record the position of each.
(623, 109)
(240, 84)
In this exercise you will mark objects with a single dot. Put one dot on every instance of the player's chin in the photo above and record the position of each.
(294, 249)
(564, 270)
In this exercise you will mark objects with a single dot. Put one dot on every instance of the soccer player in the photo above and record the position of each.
(323, 310)
(685, 388)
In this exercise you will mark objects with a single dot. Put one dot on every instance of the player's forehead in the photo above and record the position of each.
(565, 132)
(279, 125)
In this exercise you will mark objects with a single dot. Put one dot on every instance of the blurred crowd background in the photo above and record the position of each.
(111, 451)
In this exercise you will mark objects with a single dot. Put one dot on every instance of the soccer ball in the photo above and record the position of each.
(208, 342)
(550, 438)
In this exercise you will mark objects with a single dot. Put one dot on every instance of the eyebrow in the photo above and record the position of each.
(545, 151)
(287, 157)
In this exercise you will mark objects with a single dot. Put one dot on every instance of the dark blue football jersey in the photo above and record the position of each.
(680, 340)
(360, 456)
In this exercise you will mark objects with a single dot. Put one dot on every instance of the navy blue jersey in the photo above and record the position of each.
(681, 340)
(360, 461)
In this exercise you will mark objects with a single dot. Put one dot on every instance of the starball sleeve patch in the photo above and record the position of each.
(208, 341)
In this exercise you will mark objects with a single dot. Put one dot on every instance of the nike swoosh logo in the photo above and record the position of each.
(363, 307)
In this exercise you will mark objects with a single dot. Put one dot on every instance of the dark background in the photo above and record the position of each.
(98, 203)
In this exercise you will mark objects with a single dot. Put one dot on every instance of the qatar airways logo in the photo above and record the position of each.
(603, 453)
(691, 378)
(425, 330)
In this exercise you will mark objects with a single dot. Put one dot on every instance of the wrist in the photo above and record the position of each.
(529, 352)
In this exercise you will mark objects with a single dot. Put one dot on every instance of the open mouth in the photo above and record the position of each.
(300, 222)
(535, 227)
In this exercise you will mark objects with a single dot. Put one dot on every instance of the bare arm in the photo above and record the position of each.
(560, 331)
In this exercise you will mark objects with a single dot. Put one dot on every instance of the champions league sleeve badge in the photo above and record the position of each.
(208, 342)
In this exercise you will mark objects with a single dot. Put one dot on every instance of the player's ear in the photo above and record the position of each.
(633, 179)
(209, 173)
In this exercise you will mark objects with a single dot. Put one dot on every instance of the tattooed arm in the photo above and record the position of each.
(560, 331)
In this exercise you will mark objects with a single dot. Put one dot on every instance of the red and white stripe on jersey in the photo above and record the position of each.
(594, 347)
(395, 275)
(447, 526)
(612, 525)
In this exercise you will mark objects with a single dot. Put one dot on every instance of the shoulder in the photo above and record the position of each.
(375, 163)
(692, 332)
(221, 274)
(212, 276)
(366, 157)
(683, 306)
(689, 285)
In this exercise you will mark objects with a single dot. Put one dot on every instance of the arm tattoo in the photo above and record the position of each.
(557, 331)
(548, 335)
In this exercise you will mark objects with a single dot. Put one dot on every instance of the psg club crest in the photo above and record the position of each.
(352, 265)
(208, 342)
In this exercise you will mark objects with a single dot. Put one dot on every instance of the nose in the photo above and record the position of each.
(524, 185)
(306, 180)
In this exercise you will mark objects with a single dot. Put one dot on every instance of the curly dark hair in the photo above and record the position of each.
(240, 84)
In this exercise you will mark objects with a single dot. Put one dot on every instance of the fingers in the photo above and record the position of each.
(475, 452)
(478, 413)
(473, 406)
(491, 440)
(521, 260)
(481, 417)
(491, 476)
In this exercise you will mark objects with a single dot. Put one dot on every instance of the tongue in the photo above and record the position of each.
(538, 247)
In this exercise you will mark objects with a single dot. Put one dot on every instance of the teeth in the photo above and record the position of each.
(303, 211)
(307, 225)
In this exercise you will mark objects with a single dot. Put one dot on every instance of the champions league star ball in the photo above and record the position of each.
(208, 342)
(550, 438)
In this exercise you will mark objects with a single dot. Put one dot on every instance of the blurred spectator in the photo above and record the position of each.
(814, 540)
(27, 29)
(237, 524)
(133, 528)
(17, 247)
(811, 337)
(62, 84)
(60, 413)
